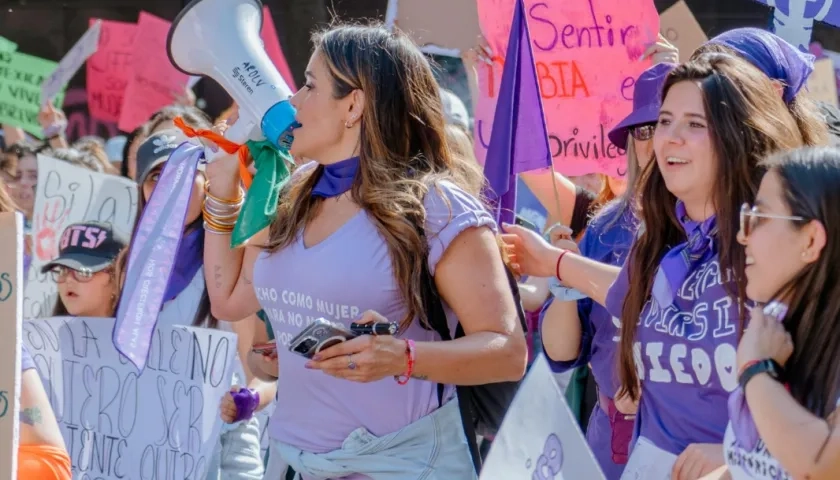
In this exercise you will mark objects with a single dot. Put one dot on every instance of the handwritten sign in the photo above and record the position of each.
(118, 425)
(442, 27)
(648, 462)
(539, 437)
(21, 76)
(67, 194)
(109, 70)
(822, 84)
(587, 60)
(71, 63)
(678, 25)
(268, 34)
(11, 275)
(154, 82)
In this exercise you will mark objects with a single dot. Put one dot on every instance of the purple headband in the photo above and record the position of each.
(771, 54)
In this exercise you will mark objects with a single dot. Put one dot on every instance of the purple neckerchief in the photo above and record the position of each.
(152, 254)
(680, 260)
(188, 260)
(336, 178)
(743, 425)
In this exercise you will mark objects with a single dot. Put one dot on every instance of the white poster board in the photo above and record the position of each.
(71, 63)
(163, 424)
(539, 437)
(11, 299)
(67, 194)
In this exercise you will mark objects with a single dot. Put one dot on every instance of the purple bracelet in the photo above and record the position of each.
(246, 401)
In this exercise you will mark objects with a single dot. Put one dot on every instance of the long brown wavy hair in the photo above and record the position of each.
(809, 179)
(747, 120)
(403, 148)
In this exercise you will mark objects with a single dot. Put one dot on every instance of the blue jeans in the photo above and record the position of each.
(237, 454)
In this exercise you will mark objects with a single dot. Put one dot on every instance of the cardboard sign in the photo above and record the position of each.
(11, 277)
(67, 194)
(118, 425)
(680, 27)
(822, 84)
(587, 55)
(539, 437)
(71, 63)
(109, 70)
(451, 27)
(154, 82)
(21, 76)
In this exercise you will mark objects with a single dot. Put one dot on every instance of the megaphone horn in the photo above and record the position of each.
(221, 39)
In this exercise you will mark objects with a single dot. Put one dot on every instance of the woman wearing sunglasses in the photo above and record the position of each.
(86, 270)
(577, 333)
(784, 413)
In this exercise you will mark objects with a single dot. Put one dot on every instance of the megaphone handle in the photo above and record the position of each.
(238, 133)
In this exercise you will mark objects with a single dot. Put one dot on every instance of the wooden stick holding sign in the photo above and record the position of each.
(11, 303)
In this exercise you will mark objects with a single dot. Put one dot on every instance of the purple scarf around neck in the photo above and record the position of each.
(678, 263)
(743, 425)
(188, 260)
(336, 178)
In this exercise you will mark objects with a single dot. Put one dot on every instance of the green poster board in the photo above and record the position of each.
(21, 76)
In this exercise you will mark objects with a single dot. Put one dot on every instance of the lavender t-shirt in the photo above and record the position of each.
(338, 279)
(26, 362)
(685, 355)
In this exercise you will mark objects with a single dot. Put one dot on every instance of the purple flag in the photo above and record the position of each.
(793, 20)
(519, 141)
(152, 254)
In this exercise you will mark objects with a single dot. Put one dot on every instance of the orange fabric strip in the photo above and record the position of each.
(224, 144)
(43, 462)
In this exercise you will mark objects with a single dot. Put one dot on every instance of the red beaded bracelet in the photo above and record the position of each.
(409, 351)
(557, 268)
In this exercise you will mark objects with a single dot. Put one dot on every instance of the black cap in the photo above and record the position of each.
(87, 247)
(155, 150)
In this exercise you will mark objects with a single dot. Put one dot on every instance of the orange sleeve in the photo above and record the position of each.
(43, 462)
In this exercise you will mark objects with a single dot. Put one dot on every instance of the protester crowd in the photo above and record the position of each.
(699, 291)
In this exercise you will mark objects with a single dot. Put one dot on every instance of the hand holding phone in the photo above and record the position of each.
(319, 335)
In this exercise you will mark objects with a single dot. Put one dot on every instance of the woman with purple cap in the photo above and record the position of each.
(784, 413)
(577, 333)
(679, 295)
(786, 65)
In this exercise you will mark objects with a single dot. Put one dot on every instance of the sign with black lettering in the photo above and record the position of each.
(160, 425)
(67, 194)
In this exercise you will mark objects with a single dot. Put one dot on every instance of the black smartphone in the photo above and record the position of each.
(525, 223)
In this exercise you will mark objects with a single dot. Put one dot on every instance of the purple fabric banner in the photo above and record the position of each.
(152, 254)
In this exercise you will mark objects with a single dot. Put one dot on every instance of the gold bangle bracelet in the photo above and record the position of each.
(222, 200)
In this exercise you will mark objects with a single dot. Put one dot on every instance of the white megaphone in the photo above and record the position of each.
(221, 39)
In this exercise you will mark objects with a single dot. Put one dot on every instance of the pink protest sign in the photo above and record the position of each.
(587, 55)
(154, 83)
(109, 69)
(273, 49)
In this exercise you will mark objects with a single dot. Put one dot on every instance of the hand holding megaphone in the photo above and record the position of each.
(222, 170)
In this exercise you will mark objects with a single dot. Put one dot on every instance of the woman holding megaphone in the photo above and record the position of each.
(353, 235)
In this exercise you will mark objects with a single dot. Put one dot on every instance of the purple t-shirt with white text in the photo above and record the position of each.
(338, 279)
(687, 352)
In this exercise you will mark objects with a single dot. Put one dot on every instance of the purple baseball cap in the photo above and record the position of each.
(647, 98)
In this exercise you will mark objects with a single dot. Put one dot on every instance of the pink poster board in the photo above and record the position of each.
(587, 59)
(109, 70)
(154, 83)
(272, 47)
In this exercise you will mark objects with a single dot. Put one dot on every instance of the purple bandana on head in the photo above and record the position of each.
(336, 178)
(680, 260)
(153, 253)
(743, 425)
(771, 54)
